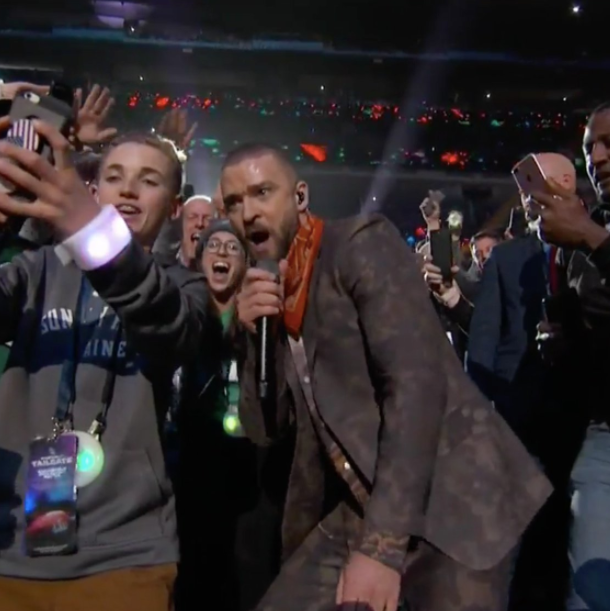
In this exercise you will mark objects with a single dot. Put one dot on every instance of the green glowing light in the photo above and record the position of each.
(231, 424)
(85, 461)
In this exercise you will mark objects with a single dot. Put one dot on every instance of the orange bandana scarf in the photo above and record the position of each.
(301, 259)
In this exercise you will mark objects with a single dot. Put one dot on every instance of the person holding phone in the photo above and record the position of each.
(497, 348)
(98, 327)
(457, 296)
(504, 361)
(566, 223)
(88, 130)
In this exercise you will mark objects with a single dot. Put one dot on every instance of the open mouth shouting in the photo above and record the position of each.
(259, 241)
(221, 273)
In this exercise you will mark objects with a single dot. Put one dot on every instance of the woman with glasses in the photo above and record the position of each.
(229, 514)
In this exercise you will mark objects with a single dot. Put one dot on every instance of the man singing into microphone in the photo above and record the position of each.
(405, 485)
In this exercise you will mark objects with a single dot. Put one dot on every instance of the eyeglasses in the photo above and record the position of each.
(232, 247)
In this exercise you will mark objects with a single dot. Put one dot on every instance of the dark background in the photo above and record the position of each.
(487, 56)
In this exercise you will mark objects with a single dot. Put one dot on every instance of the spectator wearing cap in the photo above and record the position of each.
(233, 537)
(221, 257)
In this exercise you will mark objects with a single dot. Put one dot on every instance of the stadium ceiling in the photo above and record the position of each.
(554, 28)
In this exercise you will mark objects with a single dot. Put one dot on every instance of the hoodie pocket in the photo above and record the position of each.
(128, 503)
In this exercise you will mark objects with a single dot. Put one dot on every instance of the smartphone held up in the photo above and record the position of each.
(56, 109)
(530, 178)
(442, 253)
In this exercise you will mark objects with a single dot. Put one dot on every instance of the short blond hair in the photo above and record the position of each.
(148, 139)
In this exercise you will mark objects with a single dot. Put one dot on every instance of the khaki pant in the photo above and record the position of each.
(138, 589)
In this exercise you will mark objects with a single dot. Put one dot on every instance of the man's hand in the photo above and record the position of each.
(431, 209)
(369, 583)
(551, 342)
(174, 126)
(9, 91)
(448, 293)
(260, 295)
(91, 116)
(63, 200)
(564, 221)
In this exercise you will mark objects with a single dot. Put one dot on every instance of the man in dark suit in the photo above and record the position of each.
(402, 474)
(503, 358)
(532, 394)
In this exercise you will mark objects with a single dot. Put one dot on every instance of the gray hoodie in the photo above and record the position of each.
(127, 516)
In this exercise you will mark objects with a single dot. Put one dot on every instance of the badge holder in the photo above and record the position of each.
(50, 499)
(67, 460)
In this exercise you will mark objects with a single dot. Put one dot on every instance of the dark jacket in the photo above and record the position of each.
(230, 531)
(589, 277)
(507, 309)
(533, 395)
(503, 359)
(437, 460)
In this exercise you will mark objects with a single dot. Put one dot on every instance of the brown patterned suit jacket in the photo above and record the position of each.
(439, 463)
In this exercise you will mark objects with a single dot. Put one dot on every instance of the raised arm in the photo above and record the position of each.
(163, 310)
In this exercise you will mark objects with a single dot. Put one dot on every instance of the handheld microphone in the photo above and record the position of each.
(265, 340)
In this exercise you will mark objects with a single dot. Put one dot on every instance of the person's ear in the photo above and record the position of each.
(302, 196)
(176, 208)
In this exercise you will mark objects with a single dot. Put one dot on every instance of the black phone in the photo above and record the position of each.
(554, 309)
(55, 111)
(564, 310)
(441, 249)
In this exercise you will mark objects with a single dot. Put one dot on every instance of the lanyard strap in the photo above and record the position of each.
(66, 396)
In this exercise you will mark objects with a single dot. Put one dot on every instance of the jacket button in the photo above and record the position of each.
(347, 466)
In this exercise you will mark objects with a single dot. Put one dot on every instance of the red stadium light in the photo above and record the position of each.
(315, 151)
(162, 102)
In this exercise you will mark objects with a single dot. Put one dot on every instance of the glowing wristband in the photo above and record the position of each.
(98, 242)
